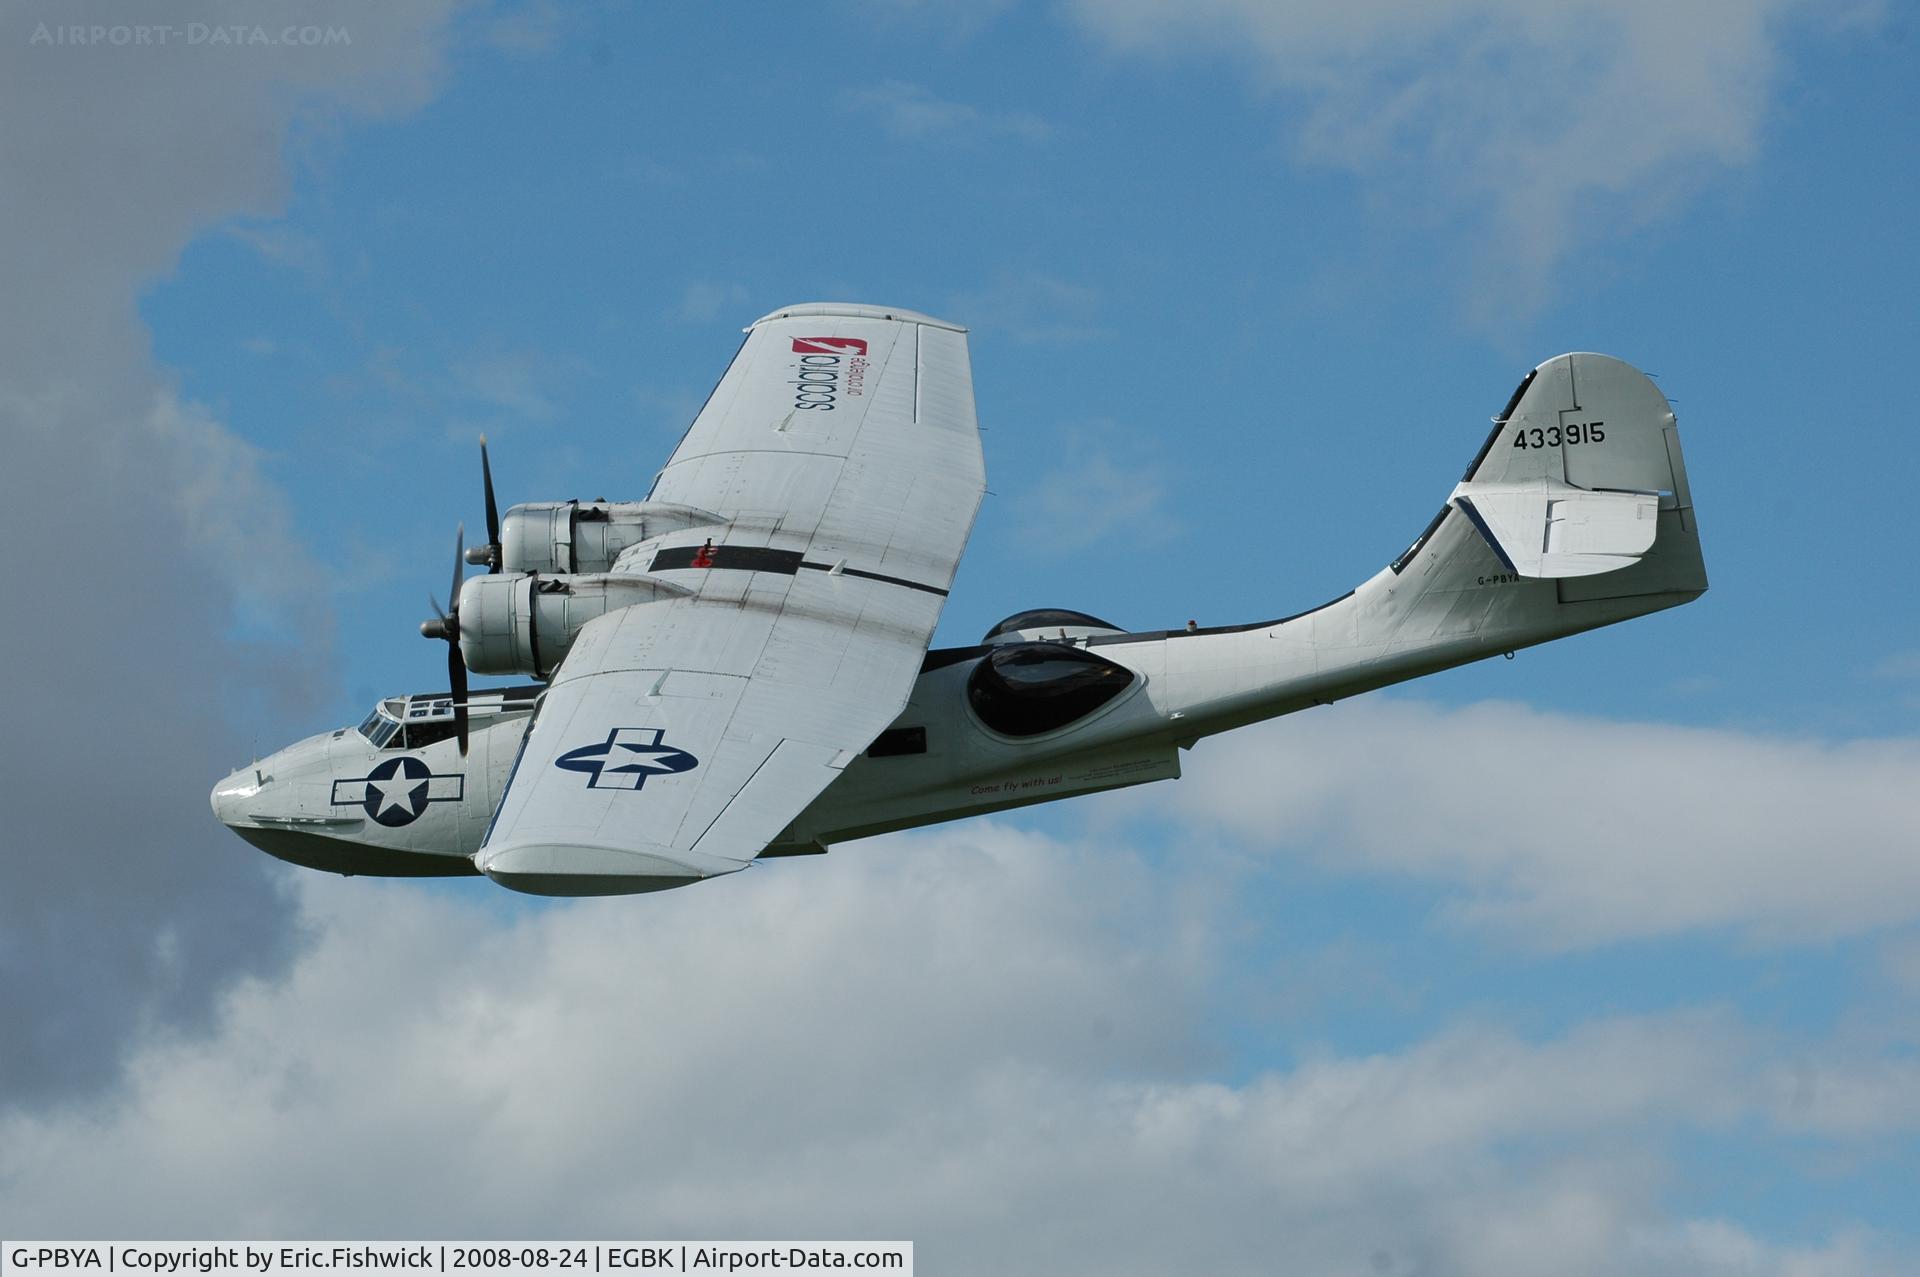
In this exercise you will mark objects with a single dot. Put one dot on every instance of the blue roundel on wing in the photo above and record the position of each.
(626, 758)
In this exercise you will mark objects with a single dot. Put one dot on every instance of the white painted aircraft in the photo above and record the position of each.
(737, 666)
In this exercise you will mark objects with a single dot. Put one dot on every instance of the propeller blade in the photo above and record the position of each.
(493, 510)
(459, 569)
(457, 683)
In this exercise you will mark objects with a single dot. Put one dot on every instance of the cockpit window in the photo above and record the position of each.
(378, 729)
(383, 733)
(1024, 689)
(428, 716)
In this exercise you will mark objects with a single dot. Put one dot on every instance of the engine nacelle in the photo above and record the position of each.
(587, 536)
(525, 624)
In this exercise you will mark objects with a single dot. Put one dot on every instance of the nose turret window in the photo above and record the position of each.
(1024, 689)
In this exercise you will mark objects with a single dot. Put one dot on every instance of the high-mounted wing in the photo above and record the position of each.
(679, 737)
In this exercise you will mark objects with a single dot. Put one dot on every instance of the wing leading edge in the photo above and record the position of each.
(679, 737)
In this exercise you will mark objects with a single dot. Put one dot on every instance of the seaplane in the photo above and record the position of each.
(738, 667)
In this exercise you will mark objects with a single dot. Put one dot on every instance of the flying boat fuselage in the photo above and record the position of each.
(737, 667)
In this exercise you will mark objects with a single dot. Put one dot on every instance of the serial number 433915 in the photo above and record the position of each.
(1554, 436)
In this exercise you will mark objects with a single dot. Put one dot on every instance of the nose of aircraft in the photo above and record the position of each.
(272, 791)
(262, 818)
(229, 794)
(283, 805)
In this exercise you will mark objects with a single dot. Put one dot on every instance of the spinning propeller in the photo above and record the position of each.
(446, 625)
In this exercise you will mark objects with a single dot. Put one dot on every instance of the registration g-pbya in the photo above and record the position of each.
(737, 667)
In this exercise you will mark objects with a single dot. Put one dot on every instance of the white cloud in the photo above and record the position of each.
(1900, 958)
(156, 529)
(1570, 831)
(984, 1040)
(914, 113)
(1545, 126)
(225, 500)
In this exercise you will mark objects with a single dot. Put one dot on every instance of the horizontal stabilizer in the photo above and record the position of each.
(1545, 528)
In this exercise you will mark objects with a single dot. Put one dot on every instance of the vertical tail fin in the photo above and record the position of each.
(1575, 514)
(1581, 482)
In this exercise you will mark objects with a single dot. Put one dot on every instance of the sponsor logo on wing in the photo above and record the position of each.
(829, 345)
(827, 368)
(397, 791)
(626, 758)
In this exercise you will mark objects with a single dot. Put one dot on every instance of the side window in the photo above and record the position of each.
(422, 733)
(1024, 689)
(896, 742)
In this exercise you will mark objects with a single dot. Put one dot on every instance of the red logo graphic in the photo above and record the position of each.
(829, 345)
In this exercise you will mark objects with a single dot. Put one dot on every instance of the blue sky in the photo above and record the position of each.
(1244, 283)
(1262, 348)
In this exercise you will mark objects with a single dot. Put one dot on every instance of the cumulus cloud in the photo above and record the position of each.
(1568, 831)
(148, 532)
(1900, 957)
(988, 1041)
(992, 1042)
(1544, 126)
